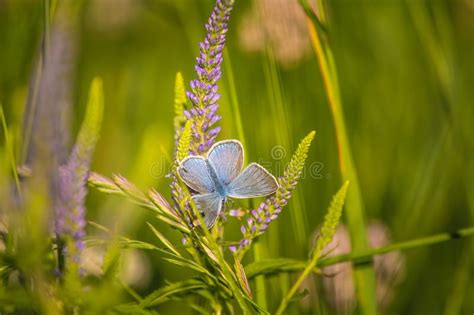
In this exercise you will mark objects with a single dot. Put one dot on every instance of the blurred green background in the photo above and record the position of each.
(406, 71)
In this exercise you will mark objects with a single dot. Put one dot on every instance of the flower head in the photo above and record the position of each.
(203, 97)
(270, 209)
(70, 210)
(203, 94)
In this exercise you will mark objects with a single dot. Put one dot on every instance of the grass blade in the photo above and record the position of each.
(9, 146)
(355, 213)
(163, 239)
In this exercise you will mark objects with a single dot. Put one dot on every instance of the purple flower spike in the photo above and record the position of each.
(236, 213)
(214, 132)
(187, 114)
(70, 209)
(214, 119)
(203, 94)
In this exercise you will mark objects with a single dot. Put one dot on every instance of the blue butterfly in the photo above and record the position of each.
(220, 175)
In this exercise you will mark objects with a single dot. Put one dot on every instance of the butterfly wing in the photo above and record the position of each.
(254, 181)
(209, 205)
(195, 173)
(226, 157)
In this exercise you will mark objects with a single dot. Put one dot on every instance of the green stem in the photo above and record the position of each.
(226, 269)
(259, 280)
(47, 33)
(306, 272)
(283, 131)
(9, 147)
(366, 256)
(257, 246)
(61, 260)
(233, 97)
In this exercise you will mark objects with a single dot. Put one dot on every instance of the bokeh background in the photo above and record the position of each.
(406, 72)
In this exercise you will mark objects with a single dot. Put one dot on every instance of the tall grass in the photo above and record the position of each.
(387, 88)
(364, 275)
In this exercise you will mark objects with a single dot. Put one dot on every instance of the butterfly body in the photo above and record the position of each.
(221, 189)
(220, 175)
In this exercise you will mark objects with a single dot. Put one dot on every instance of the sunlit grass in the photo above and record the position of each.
(386, 86)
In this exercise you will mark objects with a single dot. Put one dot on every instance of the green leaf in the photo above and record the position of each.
(274, 266)
(138, 244)
(178, 288)
(129, 188)
(10, 149)
(155, 202)
(200, 309)
(162, 203)
(299, 296)
(164, 240)
(112, 260)
(189, 264)
(131, 308)
(242, 278)
(257, 307)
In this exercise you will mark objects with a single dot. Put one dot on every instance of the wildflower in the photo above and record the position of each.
(47, 134)
(47, 122)
(203, 94)
(70, 210)
(203, 97)
(270, 209)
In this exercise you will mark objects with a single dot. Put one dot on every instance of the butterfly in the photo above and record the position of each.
(219, 176)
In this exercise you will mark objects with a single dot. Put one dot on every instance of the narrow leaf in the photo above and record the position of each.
(242, 278)
(178, 288)
(164, 240)
(274, 266)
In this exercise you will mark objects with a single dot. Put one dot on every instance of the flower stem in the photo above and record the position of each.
(9, 147)
(307, 271)
(366, 256)
(259, 280)
(47, 26)
(233, 98)
(226, 270)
